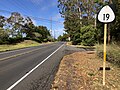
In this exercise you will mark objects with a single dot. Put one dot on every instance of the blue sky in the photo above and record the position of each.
(36, 8)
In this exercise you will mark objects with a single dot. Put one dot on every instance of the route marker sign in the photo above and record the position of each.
(106, 15)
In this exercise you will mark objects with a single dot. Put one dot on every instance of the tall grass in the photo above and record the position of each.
(113, 53)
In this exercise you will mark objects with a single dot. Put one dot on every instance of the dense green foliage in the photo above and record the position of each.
(113, 49)
(63, 38)
(115, 27)
(80, 16)
(88, 35)
(16, 28)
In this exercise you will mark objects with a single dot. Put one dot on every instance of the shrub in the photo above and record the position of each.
(113, 53)
(76, 39)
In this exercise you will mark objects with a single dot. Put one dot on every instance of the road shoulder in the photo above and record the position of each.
(80, 71)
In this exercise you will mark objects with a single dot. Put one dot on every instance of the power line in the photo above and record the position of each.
(51, 26)
(35, 18)
(22, 6)
(9, 12)
(16, 6)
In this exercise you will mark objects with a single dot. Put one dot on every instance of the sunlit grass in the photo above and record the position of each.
(26, 43)
(113, 52)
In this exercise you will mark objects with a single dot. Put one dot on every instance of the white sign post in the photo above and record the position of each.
(106, 15)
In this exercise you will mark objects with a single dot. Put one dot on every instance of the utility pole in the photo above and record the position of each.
(54, 34)
(51, 27)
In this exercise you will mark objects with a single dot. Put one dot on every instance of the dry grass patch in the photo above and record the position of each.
(79, 71)
(26, 43)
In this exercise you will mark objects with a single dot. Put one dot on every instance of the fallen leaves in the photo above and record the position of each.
(80, 71)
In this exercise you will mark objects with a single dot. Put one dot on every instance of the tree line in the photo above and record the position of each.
(81, 23)
(16, 28)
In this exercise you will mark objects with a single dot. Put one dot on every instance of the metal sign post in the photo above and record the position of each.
(106, 15)
(104, 62)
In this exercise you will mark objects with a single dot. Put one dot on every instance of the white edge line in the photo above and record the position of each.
(17, 82)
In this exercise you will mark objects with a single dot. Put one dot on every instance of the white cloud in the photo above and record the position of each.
(34, 22)
(44, 8)
(57, 17)
(48, 6)
(53, 4)
(58, 31)
(5, 14)
(36, 1)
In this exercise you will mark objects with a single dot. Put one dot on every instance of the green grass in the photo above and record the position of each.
(26, 43)
(113, 53)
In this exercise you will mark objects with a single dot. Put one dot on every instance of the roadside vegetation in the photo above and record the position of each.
(80, 71)
(81, 23)
(83, 28)
(86, 32)
(113, 53)
(26, 43)
(17, 31)
(17, 28)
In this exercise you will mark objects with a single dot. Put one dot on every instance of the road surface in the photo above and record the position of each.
(30, 68)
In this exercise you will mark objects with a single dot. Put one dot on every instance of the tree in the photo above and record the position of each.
(13, 28)
(43, 31)
(60, 38)
(4, 33)
(3, 36)
(72, 26)
(69, 10)
(29, 28)
(15, 22)
(113, 28)
(63, 38)
(77, 14)
(88, 35)
(115, 32)
(2, 21)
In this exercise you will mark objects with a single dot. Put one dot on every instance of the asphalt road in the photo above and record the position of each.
(30, 68)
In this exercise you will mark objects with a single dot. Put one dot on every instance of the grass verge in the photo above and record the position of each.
(113, 53)
(80, 71)
(87, 48)
(26, 43)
